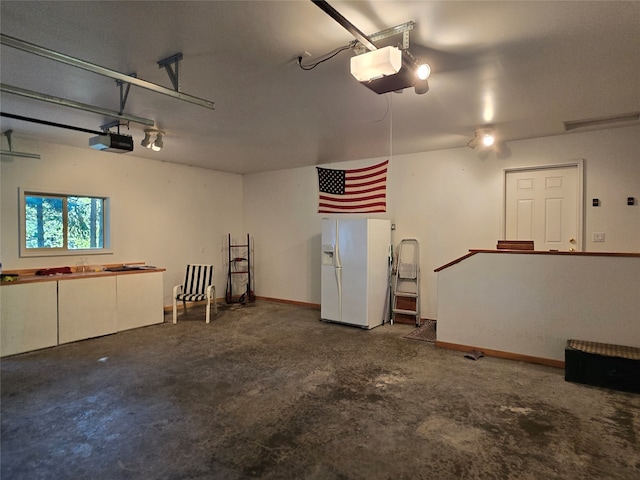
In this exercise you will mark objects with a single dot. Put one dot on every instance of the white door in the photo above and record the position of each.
(544, 205)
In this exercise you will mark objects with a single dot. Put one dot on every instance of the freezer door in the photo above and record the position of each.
(330, 295)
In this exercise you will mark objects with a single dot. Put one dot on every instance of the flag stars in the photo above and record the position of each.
(331, 181)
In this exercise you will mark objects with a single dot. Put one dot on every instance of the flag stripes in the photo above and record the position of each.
(361, 190)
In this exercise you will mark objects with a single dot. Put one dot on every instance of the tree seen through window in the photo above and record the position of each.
(64, 222)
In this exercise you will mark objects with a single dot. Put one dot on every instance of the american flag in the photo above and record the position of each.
(361, 190)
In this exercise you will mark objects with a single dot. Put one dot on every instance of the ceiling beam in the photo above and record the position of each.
(77, 105)
(12, 153)
(350, 27)
(91, 67)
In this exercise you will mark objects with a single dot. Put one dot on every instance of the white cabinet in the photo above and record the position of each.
(140, 300)
(86, 308)
(48, 312)
(28, 317)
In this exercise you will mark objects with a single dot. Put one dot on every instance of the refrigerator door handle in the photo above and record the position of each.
(338, 267)
(338, 263)
(339, 281)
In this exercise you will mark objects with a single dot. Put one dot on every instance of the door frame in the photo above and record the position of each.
(577, 163)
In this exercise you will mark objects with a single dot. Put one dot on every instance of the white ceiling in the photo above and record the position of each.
(525, 67)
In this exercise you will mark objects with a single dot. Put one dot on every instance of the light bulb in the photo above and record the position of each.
(421, 87)
(423, 71)
(158, 144)
(146, 141)
(488, 139)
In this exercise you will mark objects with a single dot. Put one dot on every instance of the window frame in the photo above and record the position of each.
(64, 250)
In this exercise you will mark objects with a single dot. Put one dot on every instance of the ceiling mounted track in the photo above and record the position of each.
(77, 105)
(350, 27)
(91, 67)
(402, 29)
(172, 66)
(382, 69)
(12, 153)
(46, 122)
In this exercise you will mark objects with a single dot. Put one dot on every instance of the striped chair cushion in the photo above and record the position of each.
(196, 281)
(191, 297)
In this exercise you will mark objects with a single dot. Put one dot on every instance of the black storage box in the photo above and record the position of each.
(603, 365)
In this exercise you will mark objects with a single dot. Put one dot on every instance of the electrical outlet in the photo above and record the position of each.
(598, 236)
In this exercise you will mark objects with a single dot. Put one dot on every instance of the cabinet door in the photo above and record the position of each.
(140, 300)
(86, 308)
(28, 317)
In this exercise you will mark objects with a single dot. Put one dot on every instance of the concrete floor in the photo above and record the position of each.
(269, 391)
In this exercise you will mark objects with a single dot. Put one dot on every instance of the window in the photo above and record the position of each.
(59, 224)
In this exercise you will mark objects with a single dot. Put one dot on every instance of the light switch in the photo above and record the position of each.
(598, 236)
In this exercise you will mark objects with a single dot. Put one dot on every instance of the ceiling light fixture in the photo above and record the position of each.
(156, 145)
(146, 141)
(387, 69)
(376, 64)
(390, 69)
(423, 71)
(421, 87)
(383, 70)
(485, 137)
(488, 139)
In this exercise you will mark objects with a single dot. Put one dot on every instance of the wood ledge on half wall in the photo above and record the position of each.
(472, 252)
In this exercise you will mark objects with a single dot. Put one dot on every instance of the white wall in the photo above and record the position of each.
(450, 200)
(532, 304)
(164, 214)
(280, 214)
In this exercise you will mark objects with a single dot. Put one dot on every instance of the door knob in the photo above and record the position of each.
(572, 240)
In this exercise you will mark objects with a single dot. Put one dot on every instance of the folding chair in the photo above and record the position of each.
(198, 286)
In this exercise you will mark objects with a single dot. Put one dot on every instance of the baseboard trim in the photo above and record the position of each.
(169, 308)
(501, 354)
(221, 301)
(290, 302)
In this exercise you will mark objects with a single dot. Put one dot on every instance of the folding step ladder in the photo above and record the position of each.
(406, 289)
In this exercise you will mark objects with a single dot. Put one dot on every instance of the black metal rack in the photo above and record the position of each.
(239, 265)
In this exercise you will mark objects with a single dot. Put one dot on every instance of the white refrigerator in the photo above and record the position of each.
(355, 271)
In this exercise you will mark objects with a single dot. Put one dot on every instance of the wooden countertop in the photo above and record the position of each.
(537, 252)
(29, 275)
